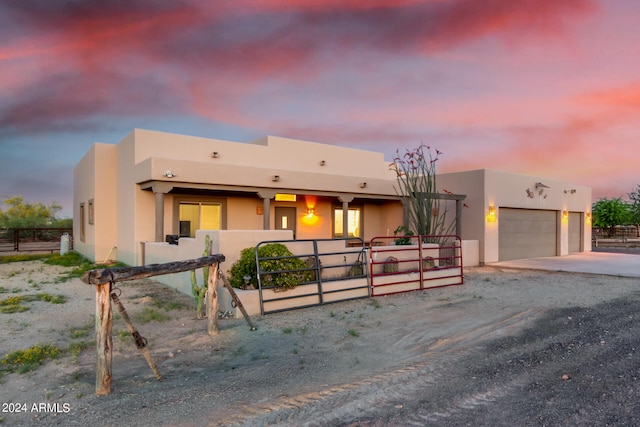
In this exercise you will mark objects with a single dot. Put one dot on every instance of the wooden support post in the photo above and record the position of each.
(140, 341)
(104, 317)
(237, 301)
(212, 299)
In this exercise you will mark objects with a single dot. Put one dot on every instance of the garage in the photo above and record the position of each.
(527, 233)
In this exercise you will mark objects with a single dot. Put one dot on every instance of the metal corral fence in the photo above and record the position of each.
(411, 263)
(620, 232)
(34, 239)
(340, 269)
(334, 270)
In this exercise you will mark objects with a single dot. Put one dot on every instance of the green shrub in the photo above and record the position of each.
(70, 259)
(6, 259)
(402, 231)
(287, 272)
(28, 360)
(79, 262)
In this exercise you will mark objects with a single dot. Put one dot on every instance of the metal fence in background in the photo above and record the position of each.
(34, 239)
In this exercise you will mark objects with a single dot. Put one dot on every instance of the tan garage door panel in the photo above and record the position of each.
(526, 233)
(575, 232)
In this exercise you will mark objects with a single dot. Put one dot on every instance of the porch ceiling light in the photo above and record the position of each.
(169, 174)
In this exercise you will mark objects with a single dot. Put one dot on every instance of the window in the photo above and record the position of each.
(82, 226)
(354, 222)
(91, 213)
(199, 216)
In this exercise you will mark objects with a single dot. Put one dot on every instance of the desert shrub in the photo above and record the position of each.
(404, 235)
(29, 359)
(6, 259)
(70, 259)
(288, 272)
(79, 262)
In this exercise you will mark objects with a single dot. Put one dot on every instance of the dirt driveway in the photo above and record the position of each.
(509, 347)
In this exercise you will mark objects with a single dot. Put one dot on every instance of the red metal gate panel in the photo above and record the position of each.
(411, 263)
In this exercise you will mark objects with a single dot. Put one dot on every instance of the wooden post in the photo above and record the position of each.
(212, 299)
(104, 317)
(140, 342)
(237, 301)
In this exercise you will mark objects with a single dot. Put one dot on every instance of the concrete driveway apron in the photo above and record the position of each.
(614, 264)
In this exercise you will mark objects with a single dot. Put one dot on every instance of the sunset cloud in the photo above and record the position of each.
(519, 85)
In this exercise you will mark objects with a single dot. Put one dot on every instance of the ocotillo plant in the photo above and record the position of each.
(200, 291)
(416, 183)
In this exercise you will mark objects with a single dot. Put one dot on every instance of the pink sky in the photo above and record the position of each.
(539, 87)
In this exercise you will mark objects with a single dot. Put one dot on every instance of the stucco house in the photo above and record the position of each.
(153, 186)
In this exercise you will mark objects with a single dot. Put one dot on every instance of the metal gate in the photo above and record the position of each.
(411, 263)
(331, 270)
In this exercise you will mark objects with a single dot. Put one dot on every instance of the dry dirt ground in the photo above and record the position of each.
(509, 347)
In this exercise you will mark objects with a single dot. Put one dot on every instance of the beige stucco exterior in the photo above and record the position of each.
(135, 200)
(129, 186)
(485, 188)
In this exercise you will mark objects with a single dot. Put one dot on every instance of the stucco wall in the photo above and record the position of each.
(94, 180)
(227, 243)
(486, 188)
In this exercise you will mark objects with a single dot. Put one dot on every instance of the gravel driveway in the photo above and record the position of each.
(509, 347)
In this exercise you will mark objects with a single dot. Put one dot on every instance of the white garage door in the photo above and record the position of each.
(526, 233)
(575, 232)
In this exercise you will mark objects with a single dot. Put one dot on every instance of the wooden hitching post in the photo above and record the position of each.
(237, 301)
(141, 343)
(212, 299)
(104, 317)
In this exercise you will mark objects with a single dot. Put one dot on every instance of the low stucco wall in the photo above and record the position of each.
(470, 253)
(226, 242)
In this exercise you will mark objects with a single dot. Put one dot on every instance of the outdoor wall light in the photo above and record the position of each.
(169, 174)
(363, 185)
(322, 162)
(491, 215)
(275, 178)
(565, 214)
(587, 216)
(215, 154)
(311, 212)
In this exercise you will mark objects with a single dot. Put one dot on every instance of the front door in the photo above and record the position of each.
(286, 219)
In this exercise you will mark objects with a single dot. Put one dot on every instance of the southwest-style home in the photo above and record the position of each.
(153, 187)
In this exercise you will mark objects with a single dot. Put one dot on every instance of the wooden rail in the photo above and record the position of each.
(103, 279)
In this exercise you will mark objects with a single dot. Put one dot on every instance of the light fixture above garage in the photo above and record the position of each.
(169, 174)
(491, 215)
